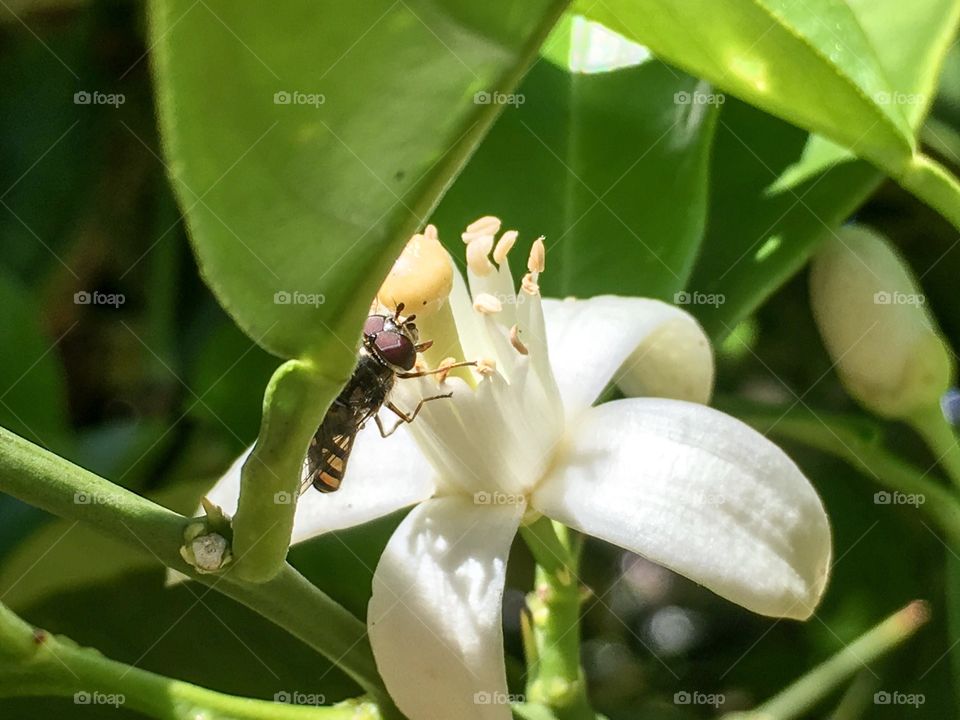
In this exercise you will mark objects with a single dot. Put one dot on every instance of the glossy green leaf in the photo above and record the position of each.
(911, 41)
(609, 164)
(756, 241)
(308, 140)
(810, 63)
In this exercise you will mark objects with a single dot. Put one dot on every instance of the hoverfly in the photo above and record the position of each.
(388, 351)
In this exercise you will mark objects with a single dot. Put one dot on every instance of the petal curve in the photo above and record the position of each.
(647, 347)
(699, 492)
(435, 613)
(383, 475)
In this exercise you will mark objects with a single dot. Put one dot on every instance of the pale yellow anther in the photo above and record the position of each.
(486, 366)
(529, 285)
(421, 278)
(517, 342)
(487, 225)
(444, 368)
(478, 255)
(487, 304)
(504, 245)
(538, 256)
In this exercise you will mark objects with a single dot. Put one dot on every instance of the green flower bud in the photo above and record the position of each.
(877, 327)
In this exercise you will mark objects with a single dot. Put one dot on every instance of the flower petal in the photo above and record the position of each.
(435, 613)
(646, 346)
(700, 493)
(383, 475)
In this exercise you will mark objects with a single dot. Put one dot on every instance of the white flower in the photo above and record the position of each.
(673, 480)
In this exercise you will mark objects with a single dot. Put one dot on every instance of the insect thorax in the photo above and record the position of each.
(370, 384)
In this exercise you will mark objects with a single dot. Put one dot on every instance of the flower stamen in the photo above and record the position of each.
(478, 252)
(487, 225)
(487, 304)
(517, 342)
(504, 245)
(486, 366)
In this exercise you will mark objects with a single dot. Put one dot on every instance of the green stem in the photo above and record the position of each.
(817, 684)
(554, 677)
(37, 663)
(933, 183)
(293, 407)
(51, 483)
(940, 438)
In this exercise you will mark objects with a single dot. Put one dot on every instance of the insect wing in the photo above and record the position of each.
(329, 451)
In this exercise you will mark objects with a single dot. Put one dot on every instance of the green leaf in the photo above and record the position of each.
(810, 63)
(32, 393)
(601, 159)
(756, 241)
(911, 41)
(308, 140)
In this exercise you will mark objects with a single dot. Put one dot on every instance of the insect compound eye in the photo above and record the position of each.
(373, 325)
(396, 349)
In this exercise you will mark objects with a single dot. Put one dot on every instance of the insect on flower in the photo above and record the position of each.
(388, 351)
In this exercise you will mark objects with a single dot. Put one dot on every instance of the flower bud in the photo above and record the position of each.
(421, 278)
(876, 326)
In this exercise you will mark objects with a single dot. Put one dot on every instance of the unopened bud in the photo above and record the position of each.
(877, 327)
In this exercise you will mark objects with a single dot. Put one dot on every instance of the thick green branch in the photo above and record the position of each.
(35, 662)
(293, 407)
(41, 478)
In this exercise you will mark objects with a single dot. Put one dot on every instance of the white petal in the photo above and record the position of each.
(435, 613)
(699, 492)
(383, 475)
(646, 346)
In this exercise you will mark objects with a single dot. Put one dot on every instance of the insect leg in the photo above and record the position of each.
(404, 417)
(442, 368)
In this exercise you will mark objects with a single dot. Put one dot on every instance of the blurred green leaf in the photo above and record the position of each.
(33, 398)
(309, 140)
(810, 63)
(911, 40)
(608, 161)
(52, 147)
(755, 242)
(227, 376)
